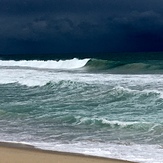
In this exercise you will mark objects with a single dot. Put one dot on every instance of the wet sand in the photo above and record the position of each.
(20, 153)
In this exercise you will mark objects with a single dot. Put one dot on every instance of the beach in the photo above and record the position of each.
(19, 153)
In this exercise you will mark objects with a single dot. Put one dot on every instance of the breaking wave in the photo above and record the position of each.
(118, 66)
(51, 64)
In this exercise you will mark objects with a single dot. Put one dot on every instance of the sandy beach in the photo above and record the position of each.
(19, 153)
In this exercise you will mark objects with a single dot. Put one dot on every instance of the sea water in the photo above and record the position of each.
(90, 106)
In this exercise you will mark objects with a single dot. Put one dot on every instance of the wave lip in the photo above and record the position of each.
(50, 64)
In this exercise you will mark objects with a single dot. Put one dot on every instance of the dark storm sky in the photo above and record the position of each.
(80, 26)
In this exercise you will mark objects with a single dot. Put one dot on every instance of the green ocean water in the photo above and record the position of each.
(83, 107)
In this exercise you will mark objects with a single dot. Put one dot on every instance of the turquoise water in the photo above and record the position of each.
(72, 107)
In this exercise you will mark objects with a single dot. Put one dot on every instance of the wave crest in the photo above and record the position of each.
(51, 64)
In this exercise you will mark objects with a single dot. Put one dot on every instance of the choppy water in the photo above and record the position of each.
(76, 106)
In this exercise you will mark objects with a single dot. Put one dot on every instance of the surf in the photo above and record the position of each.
(89, 65)
(50, 64)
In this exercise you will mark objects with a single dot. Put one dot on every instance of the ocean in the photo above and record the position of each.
(109, 108)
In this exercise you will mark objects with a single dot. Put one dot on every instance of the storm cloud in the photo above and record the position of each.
(70, 26)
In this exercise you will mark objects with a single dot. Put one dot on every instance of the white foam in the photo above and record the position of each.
(142, 153)
(112, 123)
(119, 123)
(39, 77)
(51, 64)
(131, 152)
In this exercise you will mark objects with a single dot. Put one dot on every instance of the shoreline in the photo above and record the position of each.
(18, 153)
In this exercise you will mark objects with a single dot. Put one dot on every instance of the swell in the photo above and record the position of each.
(143, 66)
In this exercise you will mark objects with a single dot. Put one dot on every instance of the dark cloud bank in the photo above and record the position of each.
(80, 26)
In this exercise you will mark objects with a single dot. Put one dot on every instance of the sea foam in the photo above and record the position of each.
(50, 64)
